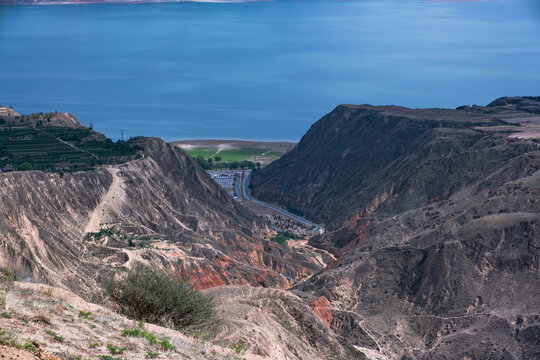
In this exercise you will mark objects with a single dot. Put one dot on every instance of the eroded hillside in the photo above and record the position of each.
(72, 229)
(434, 216)
(43, 322)
(49, 323)
(432, 230)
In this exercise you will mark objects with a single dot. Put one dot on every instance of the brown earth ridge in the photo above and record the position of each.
(52, 222)
(434, 216)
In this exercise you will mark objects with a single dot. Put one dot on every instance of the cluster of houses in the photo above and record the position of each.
(228, 179)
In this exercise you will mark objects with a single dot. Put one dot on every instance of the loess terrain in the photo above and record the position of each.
(430, 250)
(434, 218)
(161, 209)
(44, 320)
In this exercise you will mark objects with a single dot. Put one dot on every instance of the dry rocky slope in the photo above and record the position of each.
(49, 323)
(434, 217)
(73, 229)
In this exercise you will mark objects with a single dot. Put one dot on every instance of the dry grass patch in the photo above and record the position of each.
(51, 323)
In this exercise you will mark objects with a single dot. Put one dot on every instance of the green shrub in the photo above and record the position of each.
(115, 350)
(166, 345)
(26, 166)
(133, 332)
(28, 346)
(8, 339)
(108, 357)
(152, 355)
(102, 233)
(56, 337)
(158, 297)
(11, 274)
(84, 314)
(239, 347)
(282, 237)
(152, 339)
(6, 274)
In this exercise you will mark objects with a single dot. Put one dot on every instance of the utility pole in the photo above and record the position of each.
(122, 134)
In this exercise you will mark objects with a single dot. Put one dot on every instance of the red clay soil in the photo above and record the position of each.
(323, 309)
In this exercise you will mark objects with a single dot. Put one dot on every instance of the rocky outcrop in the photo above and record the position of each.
(361, 160)
(6, 111)
(278, 325)
(53, 119)
(434, 218)
(323, 308)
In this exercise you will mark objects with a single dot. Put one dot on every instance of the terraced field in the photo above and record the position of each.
(59, 149)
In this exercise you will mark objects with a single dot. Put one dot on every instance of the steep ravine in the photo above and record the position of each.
(433, 215)
(74, 229)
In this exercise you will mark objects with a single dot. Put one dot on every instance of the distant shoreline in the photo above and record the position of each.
(76, 2)
(206, 142)
(220, 144)
(126, 2)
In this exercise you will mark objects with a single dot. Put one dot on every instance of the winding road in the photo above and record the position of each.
(246, 194)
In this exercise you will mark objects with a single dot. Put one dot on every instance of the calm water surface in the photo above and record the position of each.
(264, 70)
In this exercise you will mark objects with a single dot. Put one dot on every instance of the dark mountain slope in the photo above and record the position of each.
(360, 160)
(437, 237)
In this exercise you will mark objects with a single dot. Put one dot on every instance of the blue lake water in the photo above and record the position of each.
(264, 70)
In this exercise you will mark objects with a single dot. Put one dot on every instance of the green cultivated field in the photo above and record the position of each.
(204, 152)
(225, 154)
(251, 154)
